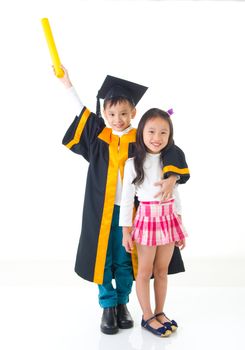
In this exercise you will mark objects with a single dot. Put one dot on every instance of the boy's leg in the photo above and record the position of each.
(123, 273)
(108, 294)
(122, 264)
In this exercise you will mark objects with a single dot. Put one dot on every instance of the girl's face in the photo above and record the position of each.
(156, 134)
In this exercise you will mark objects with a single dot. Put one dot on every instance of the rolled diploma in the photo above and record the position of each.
(52, 48)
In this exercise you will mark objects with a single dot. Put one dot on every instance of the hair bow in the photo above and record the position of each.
(170, 111)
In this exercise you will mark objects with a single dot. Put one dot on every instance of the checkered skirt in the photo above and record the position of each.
(157, 224)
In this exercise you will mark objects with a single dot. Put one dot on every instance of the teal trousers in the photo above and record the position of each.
(118, 266)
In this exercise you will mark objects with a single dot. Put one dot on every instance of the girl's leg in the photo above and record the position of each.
(160, 270)
(146, 256)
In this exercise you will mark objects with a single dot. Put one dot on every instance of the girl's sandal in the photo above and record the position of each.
(170, 324)
(160, 332)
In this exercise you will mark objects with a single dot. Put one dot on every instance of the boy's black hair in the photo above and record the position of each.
(115, 100)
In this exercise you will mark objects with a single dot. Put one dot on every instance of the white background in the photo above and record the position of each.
(190, 54)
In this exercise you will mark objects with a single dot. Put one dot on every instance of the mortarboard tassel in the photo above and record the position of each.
(98, 112)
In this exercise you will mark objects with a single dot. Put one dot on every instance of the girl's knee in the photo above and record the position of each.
(144, 274)
(160, 272)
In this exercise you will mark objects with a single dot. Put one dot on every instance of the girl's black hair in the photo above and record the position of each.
(141, 148)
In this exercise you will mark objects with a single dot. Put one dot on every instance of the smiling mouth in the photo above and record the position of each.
(156, 144)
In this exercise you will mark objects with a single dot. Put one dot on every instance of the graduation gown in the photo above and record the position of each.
(106, 153)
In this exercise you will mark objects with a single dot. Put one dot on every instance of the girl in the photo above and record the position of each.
(157, 227)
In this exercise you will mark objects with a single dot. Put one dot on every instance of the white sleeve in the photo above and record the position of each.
(75, 101)
(177, 202)
(128, 193)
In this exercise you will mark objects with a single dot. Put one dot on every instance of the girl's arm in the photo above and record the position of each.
(127, 239)
(127, 205)
(128, 194)
(181, 244)
(178, 208)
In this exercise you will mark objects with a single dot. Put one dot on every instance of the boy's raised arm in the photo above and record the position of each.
(71, 91)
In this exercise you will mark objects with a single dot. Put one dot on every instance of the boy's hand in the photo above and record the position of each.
(127, 240)
(181, 244)
(167, 186)
(65, 79)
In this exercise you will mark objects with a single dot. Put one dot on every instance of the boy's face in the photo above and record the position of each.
(119, 115)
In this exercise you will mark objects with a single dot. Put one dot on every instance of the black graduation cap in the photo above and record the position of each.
(115, 87)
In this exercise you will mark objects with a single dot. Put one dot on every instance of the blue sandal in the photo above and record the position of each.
(172, 325)
(160, 332)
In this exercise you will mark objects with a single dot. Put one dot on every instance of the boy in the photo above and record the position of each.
(101, 256)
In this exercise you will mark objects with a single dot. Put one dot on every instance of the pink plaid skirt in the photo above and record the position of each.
(157, 224)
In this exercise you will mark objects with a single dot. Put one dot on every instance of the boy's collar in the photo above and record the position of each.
(123, 132)
(128, 136)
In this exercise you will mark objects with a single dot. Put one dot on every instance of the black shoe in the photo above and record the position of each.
(109, 321)
(124, 319)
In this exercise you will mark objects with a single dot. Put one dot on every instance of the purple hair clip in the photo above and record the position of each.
(170, 111)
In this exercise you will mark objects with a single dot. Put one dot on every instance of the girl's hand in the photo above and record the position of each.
(65, 79)
(180, 244)
(127, 239)
(167, 186)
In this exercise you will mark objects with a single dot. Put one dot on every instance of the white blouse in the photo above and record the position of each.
(145, 191)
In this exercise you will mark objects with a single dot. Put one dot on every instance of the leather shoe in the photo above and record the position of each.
(109, 321)
(124, 319)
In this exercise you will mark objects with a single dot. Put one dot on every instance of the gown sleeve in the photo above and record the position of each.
(175, 163)
(82, 132)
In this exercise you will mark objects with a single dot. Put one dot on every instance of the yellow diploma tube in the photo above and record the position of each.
(52, 48)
